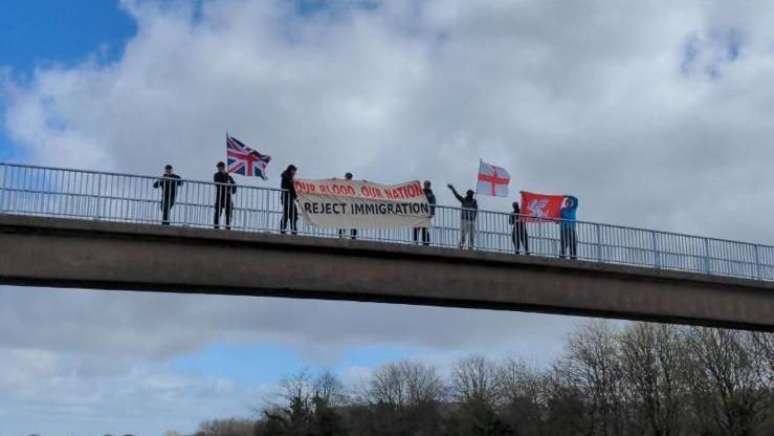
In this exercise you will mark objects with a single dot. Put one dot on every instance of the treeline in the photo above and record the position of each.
(644, 379)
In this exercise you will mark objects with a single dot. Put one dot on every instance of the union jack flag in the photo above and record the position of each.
(244, 160)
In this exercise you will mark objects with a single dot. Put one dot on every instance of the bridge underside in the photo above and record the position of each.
(99, 255)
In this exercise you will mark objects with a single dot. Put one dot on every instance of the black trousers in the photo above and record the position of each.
(425, 235)
(289, 215)
(520, 237)
(569, 240)
(220, 206)
(352, 233)
(166, 209)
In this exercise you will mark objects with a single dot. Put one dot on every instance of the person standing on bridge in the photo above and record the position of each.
(424, 230)
(169, 182)
(519, 234)
(225, 187)
(289, 210)
(352, 232)
(568, 237)
(467, 217)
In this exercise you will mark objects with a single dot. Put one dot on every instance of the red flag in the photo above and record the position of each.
(541, 205)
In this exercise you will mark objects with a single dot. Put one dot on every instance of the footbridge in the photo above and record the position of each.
(81, 229)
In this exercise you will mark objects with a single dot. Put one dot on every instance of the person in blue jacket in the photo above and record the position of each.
(569, 237)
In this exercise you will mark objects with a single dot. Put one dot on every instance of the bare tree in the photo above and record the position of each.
(652, 361)
(405, 384)
(727, 389)
(592, 367)
(402, 398)
(475, 379)
(329, 389)
(522, 392)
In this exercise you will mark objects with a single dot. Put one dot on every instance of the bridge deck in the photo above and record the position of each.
(59, 252)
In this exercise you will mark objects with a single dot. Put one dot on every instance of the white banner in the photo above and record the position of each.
(359, 204)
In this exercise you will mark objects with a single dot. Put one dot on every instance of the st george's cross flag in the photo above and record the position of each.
(244, 160)
(492, 180)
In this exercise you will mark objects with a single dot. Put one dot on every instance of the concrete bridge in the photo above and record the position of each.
(76, 253)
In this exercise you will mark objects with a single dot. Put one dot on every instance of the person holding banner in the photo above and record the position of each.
(288, 198)
(569, 237)
(424, 230)
(467, 217)
(352, 232)
(519, 234)
(225, 187)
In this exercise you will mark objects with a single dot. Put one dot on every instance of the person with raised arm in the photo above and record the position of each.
(468, 216)
(568, 234)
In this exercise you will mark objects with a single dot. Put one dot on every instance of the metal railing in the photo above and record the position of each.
(93, 195)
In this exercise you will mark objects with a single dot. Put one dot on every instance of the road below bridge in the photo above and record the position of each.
(53, 252)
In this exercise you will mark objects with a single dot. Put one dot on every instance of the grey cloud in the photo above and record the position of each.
(586, 97)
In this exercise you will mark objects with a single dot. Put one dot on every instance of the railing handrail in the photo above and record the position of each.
(530, 219)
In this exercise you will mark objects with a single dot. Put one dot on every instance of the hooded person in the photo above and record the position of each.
(288, 198)
(519, 234)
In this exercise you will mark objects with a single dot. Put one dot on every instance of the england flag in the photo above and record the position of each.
(492, 180)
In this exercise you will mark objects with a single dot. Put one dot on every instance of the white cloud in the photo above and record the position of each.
(592, 98)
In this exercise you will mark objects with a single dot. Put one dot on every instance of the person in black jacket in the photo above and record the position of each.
(519, 234)
(225, 187)
(468, 214)
(289, 210)
(352, 232)
(169, 182)
(424, 230)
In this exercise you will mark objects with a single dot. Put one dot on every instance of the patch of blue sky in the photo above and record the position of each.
(710, 52)
(42, 32)
(315, 7)
(9, 151)
(299, 12)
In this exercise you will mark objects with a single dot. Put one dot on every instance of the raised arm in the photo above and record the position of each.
(456, 194)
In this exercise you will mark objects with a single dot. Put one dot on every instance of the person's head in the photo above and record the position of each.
(348, 176)
(291, 170)
(569, 202)
(427, 184)
(167, 169)
(469, 194)
(516, 207)
(221, 167)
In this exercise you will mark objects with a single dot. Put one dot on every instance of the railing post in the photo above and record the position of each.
(3, 191)
(758, 274)
(598, 232)
(656, 253)
(98, 210)
(706, 256)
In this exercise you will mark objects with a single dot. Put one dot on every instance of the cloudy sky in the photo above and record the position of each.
(654, 113)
